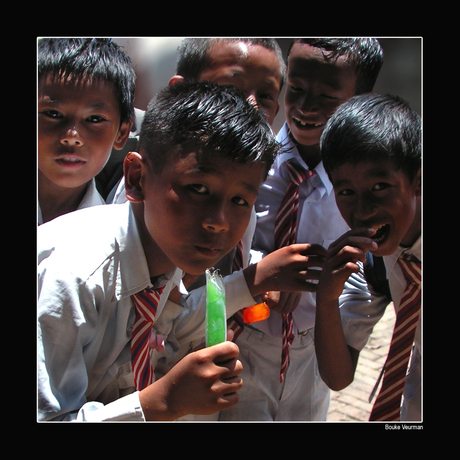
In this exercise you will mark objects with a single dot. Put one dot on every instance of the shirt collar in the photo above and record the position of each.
(415, 250)
(290, 151)
(133, 273)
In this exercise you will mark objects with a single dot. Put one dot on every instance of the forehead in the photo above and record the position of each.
(87, 92)
(238, 57)
(357, 175)
(309, 62)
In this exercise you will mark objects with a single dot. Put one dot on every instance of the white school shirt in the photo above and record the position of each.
(90, 198)
(319, 221)
(90, 263)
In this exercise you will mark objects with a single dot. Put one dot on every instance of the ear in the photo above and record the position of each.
(123, 134)
(175, 79)
(132, 169)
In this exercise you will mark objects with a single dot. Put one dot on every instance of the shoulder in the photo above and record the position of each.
(85, 237)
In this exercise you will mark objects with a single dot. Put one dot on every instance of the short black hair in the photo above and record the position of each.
(90, 59)
(370, 127)
(205, 117)
(365, 53)
(193, 54)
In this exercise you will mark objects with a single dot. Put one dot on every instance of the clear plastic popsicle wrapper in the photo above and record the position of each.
(216, 318)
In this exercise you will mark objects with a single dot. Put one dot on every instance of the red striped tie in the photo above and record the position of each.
(387, 406)
(146, 302)
(285, 234)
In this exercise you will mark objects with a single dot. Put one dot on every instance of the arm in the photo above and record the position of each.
(336, 360)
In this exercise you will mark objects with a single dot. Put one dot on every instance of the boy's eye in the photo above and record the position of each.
(52, 113)
(199, 188)
(95, 119)
(346, 192)
(380, 186)
(239, 201)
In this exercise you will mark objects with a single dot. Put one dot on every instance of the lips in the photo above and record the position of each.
(70, 161)
(210, 252)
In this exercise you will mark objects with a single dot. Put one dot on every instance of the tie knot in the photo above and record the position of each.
(147, 303)
(297, 173)
(411, 268)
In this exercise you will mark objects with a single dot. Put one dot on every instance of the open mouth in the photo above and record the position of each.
(382, 233)
(306, 125)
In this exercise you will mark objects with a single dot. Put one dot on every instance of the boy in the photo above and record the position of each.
(254, 65)
(279, 362)
(85, 107)
(105, 273)
(371, 150)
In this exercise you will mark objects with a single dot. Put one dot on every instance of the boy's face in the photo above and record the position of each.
(78, 124)
(315, 88)
(253, 69)
(197, 209)
(379, 196)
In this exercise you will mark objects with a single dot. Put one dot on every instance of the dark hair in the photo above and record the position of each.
(193, 54)
(365, 53)
(205, 117)
(371, 127)
(90, 59)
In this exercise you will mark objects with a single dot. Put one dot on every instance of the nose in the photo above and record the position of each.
(309, 103)
(365, 208)
(72, 138)
(216, 220)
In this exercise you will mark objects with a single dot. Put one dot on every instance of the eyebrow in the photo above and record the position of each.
(205, 169)
(376, 173)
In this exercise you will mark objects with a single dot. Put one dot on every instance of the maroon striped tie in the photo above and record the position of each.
(146, 302)
(387, 406)
(285, 234)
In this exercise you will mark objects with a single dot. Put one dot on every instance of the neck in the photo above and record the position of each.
(157, 260)
(310, 154)
(55, 200)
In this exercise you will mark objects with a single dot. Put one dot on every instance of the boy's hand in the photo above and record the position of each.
(282, 302)
(291, 268)
(341, 261)
(203, 382)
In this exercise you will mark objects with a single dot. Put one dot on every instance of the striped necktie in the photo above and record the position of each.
(387, 406)
(285, 234)
(146, 302)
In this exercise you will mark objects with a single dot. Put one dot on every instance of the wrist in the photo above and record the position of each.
(154, 403)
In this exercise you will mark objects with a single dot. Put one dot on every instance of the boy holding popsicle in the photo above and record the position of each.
(105, 274)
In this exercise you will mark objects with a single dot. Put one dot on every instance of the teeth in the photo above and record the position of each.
(71, 160)
(305, 123)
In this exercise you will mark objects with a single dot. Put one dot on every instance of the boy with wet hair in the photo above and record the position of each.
(85, 107)
(371, 150)
(104, 274)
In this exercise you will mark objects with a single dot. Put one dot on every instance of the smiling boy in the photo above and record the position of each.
(371, 149)
(85, 107)
(204, 152)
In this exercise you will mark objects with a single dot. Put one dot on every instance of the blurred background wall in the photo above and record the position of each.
(154, 59)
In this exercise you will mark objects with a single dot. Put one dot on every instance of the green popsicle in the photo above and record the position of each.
(216, 321)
